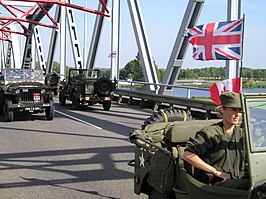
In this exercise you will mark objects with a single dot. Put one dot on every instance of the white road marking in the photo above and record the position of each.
(77, 119)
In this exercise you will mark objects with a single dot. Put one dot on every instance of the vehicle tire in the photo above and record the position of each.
(1, 108)
(103, 86)
(9, 114)
(75, 102)
(154, 194)
(167, 115)
(107, 105)
(51, 79)
(55, 91)
(259, 192)
(50, 111)
(62, 98)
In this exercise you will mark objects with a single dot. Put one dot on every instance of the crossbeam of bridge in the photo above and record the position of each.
(178, 53)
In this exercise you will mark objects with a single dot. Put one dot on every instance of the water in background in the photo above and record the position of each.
(182, 92)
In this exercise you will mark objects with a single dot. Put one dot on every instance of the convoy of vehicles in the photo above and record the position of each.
(160, 172)
(24, 90)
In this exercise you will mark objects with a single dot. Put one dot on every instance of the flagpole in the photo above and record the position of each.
(242, 50)
(242, 53)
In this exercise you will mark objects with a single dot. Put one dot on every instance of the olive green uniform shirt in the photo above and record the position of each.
(222, 151)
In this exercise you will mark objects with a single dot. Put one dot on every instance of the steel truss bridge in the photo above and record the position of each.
(28, 15)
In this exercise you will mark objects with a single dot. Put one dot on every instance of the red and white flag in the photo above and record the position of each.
(228, 85)
(112, 54)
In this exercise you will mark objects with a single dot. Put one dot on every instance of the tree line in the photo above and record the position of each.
(219, 73)
(133, 71)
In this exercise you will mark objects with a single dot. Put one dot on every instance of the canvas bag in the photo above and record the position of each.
(162, 173)
(153, 132)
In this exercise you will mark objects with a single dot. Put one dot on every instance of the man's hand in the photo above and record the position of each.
(223, 175)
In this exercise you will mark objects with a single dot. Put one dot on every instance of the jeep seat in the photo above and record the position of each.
(197, 189)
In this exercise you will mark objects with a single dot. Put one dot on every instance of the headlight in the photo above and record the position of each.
(43, 91)
(17, 91)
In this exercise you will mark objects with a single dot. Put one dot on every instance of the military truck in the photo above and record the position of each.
(160, 172)
(24, 90)
(85, 87)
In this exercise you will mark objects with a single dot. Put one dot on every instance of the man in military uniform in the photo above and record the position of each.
(218, 150)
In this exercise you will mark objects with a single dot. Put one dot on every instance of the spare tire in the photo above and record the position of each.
(51, 79)
(259, 192)
(103, 87)
(167, 115)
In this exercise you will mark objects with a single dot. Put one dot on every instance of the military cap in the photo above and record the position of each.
(230, 99)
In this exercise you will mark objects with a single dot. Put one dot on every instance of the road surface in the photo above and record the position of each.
(80, 154)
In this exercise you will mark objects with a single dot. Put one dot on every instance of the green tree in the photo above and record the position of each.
(134, 71)
(123, 75)
(56, 67)
(134, 68)
(105, 72)
(160, 74)
(249, 84)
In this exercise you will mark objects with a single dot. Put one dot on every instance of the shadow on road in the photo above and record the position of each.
(47, 161)
(71, 163)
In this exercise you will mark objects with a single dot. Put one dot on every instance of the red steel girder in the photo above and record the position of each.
(5, 36)
(62, 3)
(22, 17)
(11, 9)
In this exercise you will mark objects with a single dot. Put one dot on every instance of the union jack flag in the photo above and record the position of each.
(217, 41)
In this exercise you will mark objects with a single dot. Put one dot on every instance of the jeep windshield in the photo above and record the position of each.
(257, 123)
(88, 73)
(22, 75)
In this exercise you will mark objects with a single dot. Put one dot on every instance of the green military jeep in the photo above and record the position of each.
(160, 172)
(24, 90)
(84, 86)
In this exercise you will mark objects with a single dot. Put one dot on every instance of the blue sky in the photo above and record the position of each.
(162, 20)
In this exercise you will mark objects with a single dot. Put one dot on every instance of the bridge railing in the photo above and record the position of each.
(144, 87)
(138, 93)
